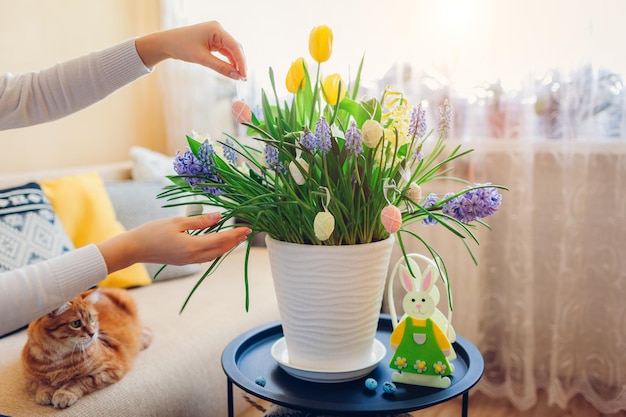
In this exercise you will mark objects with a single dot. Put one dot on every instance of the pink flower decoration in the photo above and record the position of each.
(241, 112)
(391, 217)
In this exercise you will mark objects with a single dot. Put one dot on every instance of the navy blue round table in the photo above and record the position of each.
(248, 357)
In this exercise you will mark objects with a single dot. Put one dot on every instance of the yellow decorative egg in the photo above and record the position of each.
(324, 224)
(391, 217)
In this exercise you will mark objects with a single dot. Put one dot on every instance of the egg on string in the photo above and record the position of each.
(241, 112)
(324, 222)
(414, 192)
(391, 218)
(323, 225)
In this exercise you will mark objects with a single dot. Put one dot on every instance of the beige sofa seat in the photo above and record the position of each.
(180, 374)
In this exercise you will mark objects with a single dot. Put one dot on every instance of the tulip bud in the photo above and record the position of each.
(331, 89)
(371, 133)
(295, 79)
(414, 192)
(241, 112)
(321, 43)
(391, 218)
(295, 172)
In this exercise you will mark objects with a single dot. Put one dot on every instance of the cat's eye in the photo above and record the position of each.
(75, 324)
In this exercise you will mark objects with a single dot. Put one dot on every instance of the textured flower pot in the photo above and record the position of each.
(329, 299)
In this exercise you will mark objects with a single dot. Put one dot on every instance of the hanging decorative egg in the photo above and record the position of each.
(323, 225)
(241, 112)
(414, 192)
(391, 217)
(295, 171)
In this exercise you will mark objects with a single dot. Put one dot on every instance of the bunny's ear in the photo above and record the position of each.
(407, 280)
(428, 281)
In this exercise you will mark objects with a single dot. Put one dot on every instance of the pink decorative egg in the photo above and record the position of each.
(241, 112)
(391, 217)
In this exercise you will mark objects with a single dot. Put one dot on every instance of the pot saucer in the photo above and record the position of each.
(280, 355)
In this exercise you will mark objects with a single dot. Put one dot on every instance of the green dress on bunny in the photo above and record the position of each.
(421, 345)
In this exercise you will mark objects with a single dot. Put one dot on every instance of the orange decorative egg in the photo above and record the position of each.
(241, 112)
(391, 217)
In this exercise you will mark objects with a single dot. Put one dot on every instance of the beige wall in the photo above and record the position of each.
(39, 33)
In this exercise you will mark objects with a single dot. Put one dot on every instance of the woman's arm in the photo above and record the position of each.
(29, 292)
(32, 291)
(55, 92)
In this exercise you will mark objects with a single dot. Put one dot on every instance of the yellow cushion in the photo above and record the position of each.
(87, 214)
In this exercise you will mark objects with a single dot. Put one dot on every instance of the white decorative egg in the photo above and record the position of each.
(414, 192)
(295, 172)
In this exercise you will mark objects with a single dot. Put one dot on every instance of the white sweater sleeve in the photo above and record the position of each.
(30, 292)
(31, 98)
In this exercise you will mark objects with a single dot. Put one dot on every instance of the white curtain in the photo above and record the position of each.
(545, 305)
(538, 92)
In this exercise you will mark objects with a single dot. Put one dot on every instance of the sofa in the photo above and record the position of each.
(180, 374)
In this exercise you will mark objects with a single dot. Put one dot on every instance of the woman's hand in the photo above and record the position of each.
(166, 241)
(196, 44)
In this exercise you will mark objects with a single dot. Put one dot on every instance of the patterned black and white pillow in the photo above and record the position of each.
(30, 231)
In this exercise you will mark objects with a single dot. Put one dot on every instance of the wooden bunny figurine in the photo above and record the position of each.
(421, 350)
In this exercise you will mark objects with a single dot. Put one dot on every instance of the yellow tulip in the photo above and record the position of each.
(330, 89)
(295, 76)
(321, 43)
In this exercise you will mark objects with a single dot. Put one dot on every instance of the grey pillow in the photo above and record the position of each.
(135, 203)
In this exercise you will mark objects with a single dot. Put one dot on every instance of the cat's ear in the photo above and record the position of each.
(60, 310)
(93, 296)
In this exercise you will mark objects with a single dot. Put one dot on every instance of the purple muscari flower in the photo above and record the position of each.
(353, 139)
(258, 112)
(418, 156)
(198, 171)
(188, 164)
(417, 126)
(309, 141)
(474, 204)
(453, 207)
(271, 157)
(429, 202)
(229, 151)
(206, 152)
(445, 118)
(490, 201)
(322, 133)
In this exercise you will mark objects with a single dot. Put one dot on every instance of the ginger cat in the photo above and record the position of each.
(85, 345)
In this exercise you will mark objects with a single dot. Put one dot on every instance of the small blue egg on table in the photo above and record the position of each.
(371, 384)
(389, 387)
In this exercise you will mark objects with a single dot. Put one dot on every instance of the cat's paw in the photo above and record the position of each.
(63, 398)
(43, 395)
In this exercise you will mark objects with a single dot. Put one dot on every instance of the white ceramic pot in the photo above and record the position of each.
(329, 300)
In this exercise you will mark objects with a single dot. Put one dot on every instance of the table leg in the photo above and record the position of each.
(465, 404)
(231, 408)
